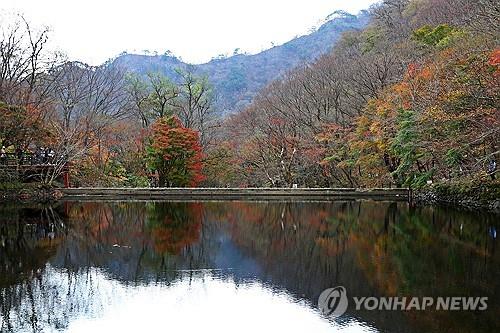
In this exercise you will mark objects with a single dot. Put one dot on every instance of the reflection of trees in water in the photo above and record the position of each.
(136, 241)
(28, 238)
(436, 251)
(124, 240)
(371, 248)
(174, 226)
(375, 249)
(296, 244)
(51, 299)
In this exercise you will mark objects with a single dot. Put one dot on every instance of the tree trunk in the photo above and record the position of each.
(162, 179)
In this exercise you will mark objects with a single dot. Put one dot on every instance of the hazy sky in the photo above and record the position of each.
(196, 30)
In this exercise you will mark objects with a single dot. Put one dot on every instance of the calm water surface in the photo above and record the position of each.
(241, 266)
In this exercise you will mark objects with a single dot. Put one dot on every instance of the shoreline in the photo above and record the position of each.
(482, 197)
(31, 195)
(472, 195)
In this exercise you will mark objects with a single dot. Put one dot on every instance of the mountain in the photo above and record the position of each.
(238, 78)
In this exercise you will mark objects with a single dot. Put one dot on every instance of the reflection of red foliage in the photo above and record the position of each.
(177, 226)
(171, 236)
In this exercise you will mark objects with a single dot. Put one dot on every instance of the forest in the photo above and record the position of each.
(410, 99)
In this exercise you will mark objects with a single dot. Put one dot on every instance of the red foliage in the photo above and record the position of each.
(173, 142)
(495, 58)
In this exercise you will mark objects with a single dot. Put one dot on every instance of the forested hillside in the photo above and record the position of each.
(237, 79)
(412, 98)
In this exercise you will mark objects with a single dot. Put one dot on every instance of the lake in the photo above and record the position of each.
(242, 266)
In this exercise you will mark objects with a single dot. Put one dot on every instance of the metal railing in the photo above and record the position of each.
(25, 159)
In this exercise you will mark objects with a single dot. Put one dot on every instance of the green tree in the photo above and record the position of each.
(153, 98)
(405, 145)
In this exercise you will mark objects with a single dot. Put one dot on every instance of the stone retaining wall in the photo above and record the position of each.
(233, 194)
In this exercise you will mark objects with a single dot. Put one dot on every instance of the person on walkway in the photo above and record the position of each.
(19, 155)
(3, 155)
(50, 156)
(45, 155)
(492, 168)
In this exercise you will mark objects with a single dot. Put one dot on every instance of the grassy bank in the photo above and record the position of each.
(469, 193)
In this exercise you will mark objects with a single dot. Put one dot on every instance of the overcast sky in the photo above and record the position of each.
(196, 30)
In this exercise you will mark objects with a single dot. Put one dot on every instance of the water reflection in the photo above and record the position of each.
(236, 265)
(90, 301)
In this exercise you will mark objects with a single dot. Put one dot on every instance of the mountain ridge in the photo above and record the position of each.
(238, 78)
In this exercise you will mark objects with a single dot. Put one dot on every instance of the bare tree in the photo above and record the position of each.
(139, 101)
(87, 100)
(195, 105)
(24, 63)
(153, 98)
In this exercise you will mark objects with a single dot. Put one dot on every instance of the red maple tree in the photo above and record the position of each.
(175, 153)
